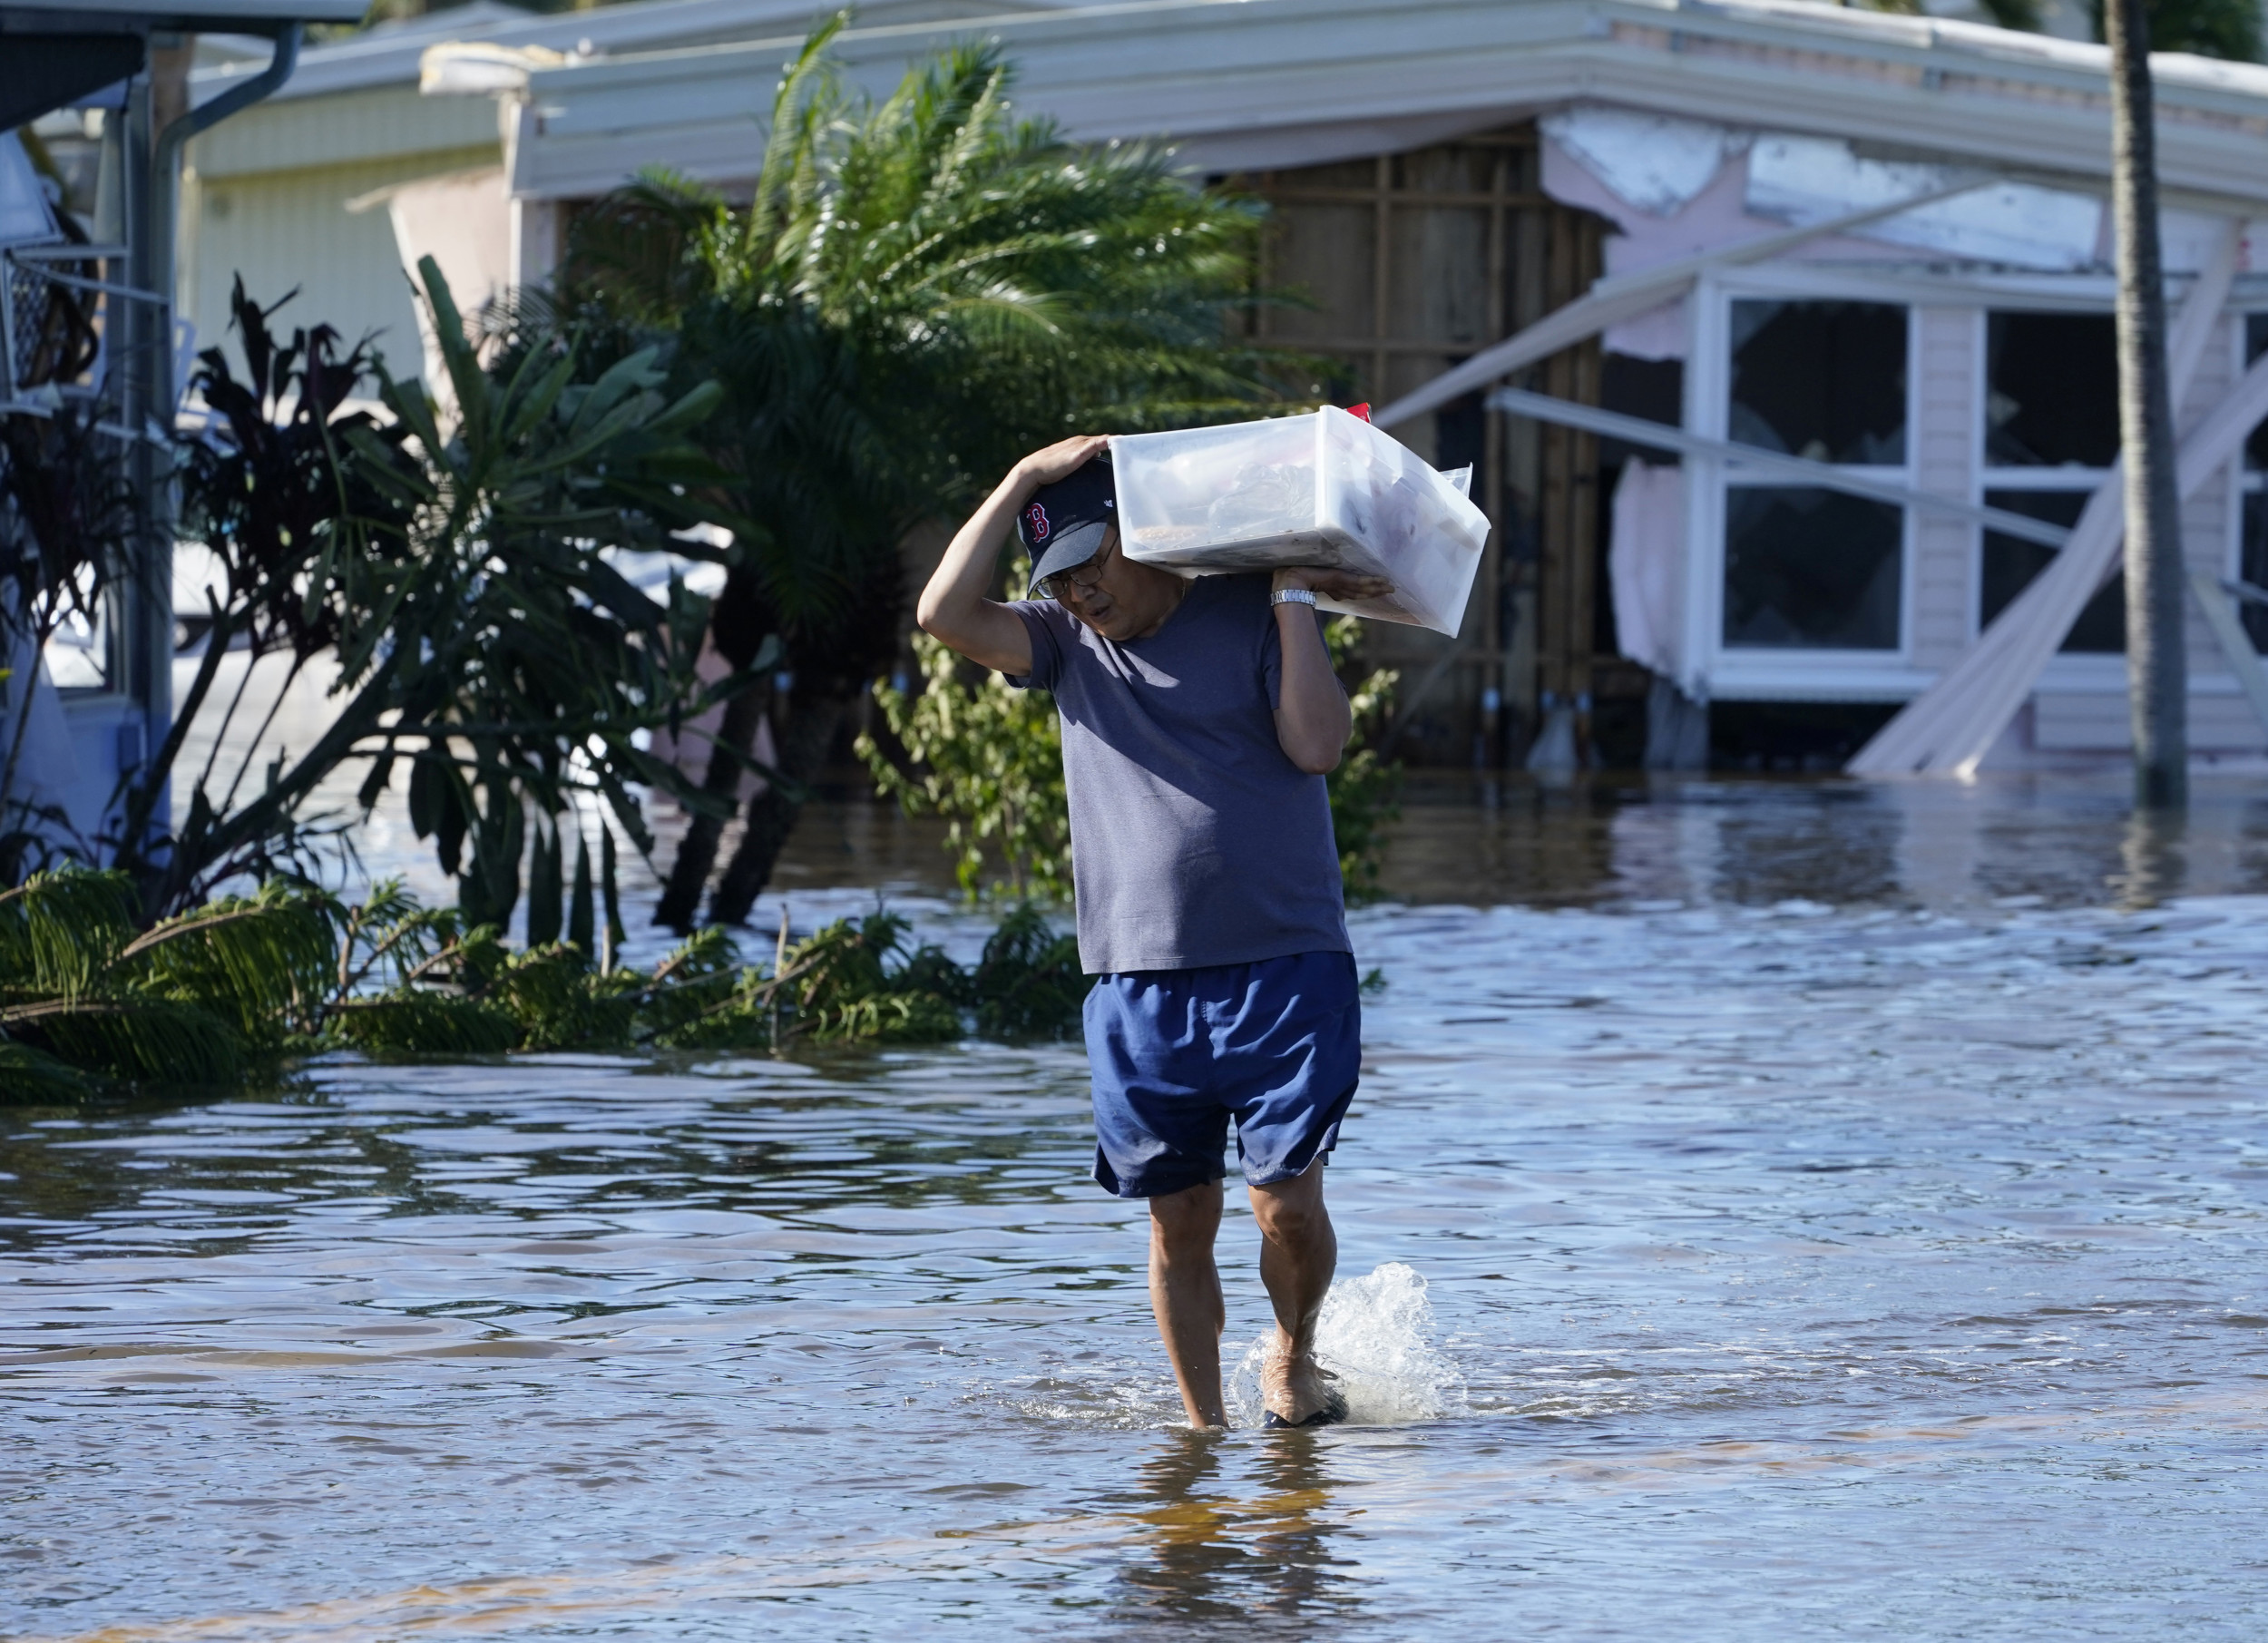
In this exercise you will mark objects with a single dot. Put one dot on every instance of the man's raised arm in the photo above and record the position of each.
(956, 606)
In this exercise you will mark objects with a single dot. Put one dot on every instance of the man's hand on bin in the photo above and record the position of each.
(1062, 459)
(1331, 582)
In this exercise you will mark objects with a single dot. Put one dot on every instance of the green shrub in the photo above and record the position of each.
(989, 758)
(233, 991)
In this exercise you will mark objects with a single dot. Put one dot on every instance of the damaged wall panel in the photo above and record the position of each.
(1404, 265)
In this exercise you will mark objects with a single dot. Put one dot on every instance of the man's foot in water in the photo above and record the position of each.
(1298, 1391)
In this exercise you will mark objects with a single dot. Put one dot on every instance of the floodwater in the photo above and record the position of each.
(1771, 1211)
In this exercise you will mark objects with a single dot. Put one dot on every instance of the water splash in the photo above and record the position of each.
(1374, 1335)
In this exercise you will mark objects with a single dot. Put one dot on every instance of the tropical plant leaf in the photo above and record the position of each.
(59, 931)
(28, 1076)
(426, 1024)
(152, 1041)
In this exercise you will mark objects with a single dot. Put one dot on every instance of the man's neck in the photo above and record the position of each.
(1173, 596)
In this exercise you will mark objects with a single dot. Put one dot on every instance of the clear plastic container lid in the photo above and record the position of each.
(1323, 489)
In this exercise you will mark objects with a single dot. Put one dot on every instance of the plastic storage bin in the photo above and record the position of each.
(1323, 489)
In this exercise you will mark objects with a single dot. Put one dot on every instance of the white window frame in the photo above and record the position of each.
(1744, 673)
(2064, 672)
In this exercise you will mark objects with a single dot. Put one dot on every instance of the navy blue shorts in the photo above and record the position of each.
(1277, 1045)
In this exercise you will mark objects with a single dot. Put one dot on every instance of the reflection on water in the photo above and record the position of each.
(1237, 1547)
(1623, 843)
(1843, 1220)
(2070, 841)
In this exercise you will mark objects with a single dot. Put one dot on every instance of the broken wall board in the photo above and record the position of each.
(2219, 611)
(1753, 460)
(1628, 296)
(1950, 725)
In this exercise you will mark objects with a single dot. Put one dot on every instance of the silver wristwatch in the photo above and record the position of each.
(1292, 596)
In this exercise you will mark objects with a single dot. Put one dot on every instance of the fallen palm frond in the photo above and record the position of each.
(236, 989)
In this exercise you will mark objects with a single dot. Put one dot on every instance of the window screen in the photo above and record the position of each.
(1825, 380)
(1810, 569)
(2052, 390)
(2009, 563)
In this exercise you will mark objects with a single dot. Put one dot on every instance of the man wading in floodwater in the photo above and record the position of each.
(1198, 720)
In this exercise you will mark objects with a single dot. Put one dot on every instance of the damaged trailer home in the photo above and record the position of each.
(1779, 334)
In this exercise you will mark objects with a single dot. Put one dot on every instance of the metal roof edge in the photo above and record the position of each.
(389, 55)
(1922, 42)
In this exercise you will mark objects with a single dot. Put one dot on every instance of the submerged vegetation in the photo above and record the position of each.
(238, 989)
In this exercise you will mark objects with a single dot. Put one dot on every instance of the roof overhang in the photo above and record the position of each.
(387, 55)
(1242, 85)
(184, 16)
(55, 54)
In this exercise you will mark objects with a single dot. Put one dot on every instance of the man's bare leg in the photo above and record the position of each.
(1185, 1288)
(1298, 1253)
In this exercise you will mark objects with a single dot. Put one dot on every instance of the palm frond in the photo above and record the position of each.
(59, 931)
(153, 1040)
(264, 964)
(28, 1076)
(426, 1024)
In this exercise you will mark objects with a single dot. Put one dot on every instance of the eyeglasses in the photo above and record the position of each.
(1082, 578)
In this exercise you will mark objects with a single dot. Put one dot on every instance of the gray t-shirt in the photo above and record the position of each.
(1195, 841)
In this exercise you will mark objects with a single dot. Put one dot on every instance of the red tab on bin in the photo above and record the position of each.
(1362, 410)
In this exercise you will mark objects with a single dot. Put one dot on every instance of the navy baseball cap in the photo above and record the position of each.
(1063, 525)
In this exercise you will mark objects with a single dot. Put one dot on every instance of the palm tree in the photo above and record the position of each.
(2157, 666)
(2157, 670)
(919, 291)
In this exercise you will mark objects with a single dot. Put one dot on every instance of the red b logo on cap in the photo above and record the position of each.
(1038, 515)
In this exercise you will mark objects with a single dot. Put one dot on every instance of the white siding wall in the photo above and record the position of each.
(2069, 720)
(1944, 549)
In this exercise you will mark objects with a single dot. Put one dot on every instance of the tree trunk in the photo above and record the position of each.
(2157, 671)
(697, 851)
(772, 814)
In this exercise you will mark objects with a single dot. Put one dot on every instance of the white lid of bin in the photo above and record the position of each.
(1322, 489)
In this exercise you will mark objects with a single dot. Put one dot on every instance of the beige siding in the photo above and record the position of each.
(287, 231)
(352, 128)
(1945, 464)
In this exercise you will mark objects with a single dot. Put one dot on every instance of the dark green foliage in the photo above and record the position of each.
(26, 1075)
(582, 922)
(484, 639)
(2209, 28)
(263, 965)
(236, 989)
(426, 1024)
(2026, 15)
(2230, 29)
(919, 291)
(546, 915)
(136, 1040)
(525, 667)
(1365, 789)
(610, 888)
(297, 527)
(844, 986)
(1029, 983)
